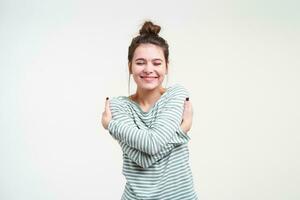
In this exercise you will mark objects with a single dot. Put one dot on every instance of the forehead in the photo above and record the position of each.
(148, 51)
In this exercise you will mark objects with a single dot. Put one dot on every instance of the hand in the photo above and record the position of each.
(187, 116)
(106, 115)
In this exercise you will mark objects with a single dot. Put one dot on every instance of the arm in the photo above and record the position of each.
(163, 129)
(145, 160)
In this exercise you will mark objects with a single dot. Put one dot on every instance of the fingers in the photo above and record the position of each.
(106, 115)
(188, 106)
(187, 115)
(187, 102)
(106, 109)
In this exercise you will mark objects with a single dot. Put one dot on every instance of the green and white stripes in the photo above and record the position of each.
(155, 150)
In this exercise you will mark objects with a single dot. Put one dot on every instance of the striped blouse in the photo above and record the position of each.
(155, 149)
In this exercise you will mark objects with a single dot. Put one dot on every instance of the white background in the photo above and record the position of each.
(60, 59)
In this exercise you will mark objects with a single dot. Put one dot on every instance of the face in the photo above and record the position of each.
(148, 66)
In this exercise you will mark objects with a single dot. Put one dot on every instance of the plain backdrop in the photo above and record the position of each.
(239, 60)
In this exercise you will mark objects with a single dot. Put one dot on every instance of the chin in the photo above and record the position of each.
(149, 86)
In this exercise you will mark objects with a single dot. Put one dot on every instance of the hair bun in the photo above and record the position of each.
(149, 29)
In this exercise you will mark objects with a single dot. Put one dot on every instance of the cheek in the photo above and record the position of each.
(162, 71)
(136, 69)
(136, 76)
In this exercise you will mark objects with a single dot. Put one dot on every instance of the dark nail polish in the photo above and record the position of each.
(107, 98)
(187, 98)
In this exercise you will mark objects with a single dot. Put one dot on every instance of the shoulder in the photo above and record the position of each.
(117, 102)
(178, 91)
(116, 99)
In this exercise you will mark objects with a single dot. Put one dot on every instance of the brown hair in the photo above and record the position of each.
(148, 34)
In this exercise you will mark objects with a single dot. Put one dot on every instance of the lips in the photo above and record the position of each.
(149, 78)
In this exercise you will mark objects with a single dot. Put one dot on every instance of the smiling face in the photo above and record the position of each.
(148, 66)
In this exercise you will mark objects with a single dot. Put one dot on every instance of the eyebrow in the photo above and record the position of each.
(155, 59)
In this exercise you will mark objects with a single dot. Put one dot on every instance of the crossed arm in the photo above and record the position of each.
(147, 146)
(145, 160)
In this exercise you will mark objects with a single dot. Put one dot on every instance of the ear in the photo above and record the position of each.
(129, 68)
(167, 68)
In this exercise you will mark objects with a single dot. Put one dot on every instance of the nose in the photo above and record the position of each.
(148, 68)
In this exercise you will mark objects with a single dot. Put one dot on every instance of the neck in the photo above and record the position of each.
(148, 97)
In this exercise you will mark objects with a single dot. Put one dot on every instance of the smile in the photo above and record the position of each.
(149, 78)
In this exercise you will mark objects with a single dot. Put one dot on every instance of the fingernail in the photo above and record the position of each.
(187, 98)
(107, 98)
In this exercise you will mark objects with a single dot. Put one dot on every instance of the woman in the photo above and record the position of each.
(151, 125)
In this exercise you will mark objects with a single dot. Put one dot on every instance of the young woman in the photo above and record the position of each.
(151, 125)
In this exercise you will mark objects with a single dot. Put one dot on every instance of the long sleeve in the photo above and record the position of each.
(145, 160)
(163, 129)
